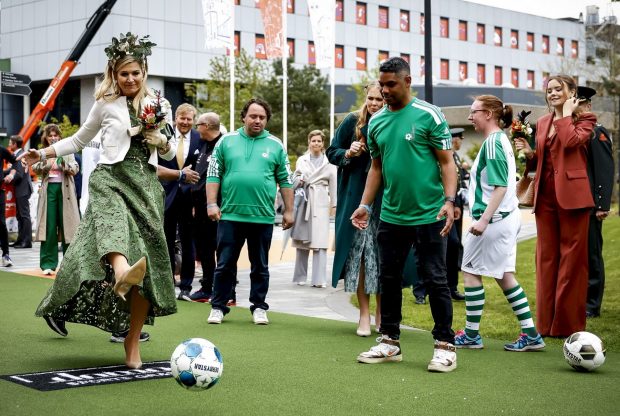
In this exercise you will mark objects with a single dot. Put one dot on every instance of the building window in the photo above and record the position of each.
(444, 69)
(360, 13)
(237, 40)
(545, 79)
(462, 71)
(340, 10)
(406, 57)
(290, 6)
(237, 2)
(530, 42)
(574, 49)
(514, 39)
(530, 79)
(559, 49)
(291, 48)
(260, 51)
(339, 56)
(514, 77)
(462, 30)
(481, 78)
(480, 33)
(311, 53)
(545, 44)
(383, 56)
(404, 21)
(360, 59)
(257, 4)
(498, 75)
(497, 36)
(384, 17)
(422, 66)
(444, 27)
(422, 23)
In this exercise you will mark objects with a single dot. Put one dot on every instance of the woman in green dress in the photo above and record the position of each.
(116, 273)
(356, 257)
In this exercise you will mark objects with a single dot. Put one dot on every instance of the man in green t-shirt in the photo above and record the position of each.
(410, 144)
(246, 166)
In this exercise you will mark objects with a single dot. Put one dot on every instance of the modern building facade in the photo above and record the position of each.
(474, 46)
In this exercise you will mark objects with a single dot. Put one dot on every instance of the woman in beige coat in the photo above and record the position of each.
(315, 197)
(57, 211)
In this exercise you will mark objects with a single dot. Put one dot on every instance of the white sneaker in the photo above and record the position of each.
(216, 316)
(6, 261)
(260, 316)
(444, 358)
(387, 350)
(48, 272)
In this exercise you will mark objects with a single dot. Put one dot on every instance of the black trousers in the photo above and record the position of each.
(205, 240)
(596, 279)
(394, 244)
(179, 214)
(231, 235)
(24, 223)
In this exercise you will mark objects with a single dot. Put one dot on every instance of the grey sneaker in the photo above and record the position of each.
(6, 261)
(119, 337)
(444, 358)
(216, 316)
(260, 316)
(387, 350)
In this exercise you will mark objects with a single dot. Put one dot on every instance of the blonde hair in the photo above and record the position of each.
(362, 113)
(502, 113)
(316, 133)
(185, 108)
(109, 90)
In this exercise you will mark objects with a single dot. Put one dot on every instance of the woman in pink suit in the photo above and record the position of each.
(562, 203)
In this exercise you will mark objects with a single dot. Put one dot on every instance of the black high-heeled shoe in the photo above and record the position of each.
(133, 276)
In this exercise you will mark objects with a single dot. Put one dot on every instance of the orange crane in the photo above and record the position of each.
(46, 104)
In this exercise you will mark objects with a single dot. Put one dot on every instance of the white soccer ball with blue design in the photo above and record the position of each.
(584, 351)
(196, 364)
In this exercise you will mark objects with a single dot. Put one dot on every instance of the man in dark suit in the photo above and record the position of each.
(177, 177)
(601, 174)
(20, 178)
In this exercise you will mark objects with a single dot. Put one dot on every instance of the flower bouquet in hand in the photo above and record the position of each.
(521, 128)
(152, 119)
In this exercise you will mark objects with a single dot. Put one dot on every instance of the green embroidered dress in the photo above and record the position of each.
(124, 215)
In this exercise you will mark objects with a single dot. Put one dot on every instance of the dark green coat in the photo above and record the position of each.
(351, 182)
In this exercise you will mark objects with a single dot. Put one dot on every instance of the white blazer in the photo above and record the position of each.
(112, 118)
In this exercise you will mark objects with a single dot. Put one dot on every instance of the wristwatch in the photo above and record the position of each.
(450, 199)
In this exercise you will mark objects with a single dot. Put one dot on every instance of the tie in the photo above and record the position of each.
(180, 151)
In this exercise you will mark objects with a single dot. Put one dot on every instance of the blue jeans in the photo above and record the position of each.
(394, 244)
(231, 235)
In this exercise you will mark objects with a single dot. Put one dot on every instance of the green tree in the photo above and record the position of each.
(308, 103)
(213, 94)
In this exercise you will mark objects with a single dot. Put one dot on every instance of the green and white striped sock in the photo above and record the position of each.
(521, 308)
(474, 304)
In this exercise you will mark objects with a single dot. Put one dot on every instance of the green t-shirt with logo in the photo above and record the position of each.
(248, 170)
(405, 141)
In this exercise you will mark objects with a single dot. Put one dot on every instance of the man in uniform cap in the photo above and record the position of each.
(601, 174)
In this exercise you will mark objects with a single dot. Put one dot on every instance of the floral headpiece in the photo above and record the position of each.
(129, 44)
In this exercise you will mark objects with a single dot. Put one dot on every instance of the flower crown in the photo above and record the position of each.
(129, 44)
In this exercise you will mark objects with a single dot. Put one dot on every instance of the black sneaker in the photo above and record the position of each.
(200, 296)
(456, 295)
(56, 325)
(119, 337)
(184, 295)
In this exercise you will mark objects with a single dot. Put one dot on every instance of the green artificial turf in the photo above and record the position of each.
(294, 366)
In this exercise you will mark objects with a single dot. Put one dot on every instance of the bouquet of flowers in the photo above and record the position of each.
(153, 116)
(520, 126)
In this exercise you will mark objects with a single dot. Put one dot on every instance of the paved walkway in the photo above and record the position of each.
(284, 296)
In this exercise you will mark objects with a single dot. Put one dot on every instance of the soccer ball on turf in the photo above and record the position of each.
(196, 364)
(584, 351)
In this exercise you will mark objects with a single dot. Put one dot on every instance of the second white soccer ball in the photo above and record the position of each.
(196, 364)
(584, 351)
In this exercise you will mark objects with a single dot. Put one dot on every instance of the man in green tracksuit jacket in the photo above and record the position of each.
(246, 166)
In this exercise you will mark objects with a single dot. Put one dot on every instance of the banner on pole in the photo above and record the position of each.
(218, 18)
(323, 22)
(271, 10)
